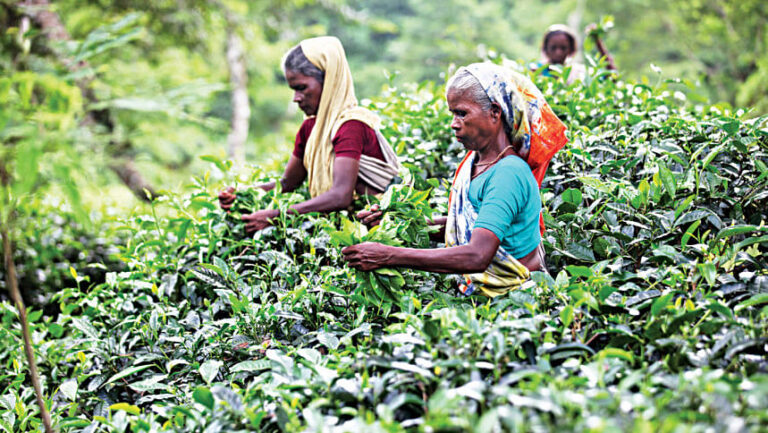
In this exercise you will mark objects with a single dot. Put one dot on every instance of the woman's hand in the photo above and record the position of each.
(367, 256)
(227, 197)
(259, 220)
(371, 217)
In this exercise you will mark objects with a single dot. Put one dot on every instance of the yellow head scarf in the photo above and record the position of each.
(338, 104)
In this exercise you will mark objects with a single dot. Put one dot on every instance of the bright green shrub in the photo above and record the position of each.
(653, 318)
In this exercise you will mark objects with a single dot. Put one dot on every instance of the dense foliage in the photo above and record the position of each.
(653, 318)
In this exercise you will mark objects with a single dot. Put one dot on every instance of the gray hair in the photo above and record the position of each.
(467, 85)
(296, 61)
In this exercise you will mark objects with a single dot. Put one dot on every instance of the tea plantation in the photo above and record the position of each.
(653, 317)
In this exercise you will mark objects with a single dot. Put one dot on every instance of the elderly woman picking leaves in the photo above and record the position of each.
(339, 150)
(494, 226)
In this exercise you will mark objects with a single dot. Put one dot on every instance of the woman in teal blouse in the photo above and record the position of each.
(506, 199)
(492, 232)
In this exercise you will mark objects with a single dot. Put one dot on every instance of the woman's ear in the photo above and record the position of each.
(496, 111)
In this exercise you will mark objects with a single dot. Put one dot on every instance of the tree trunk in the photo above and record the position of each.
(241, 111)
(53, 28)
(133, 180)
(13, 287)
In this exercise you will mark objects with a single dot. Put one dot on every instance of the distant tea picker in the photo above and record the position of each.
(338, 150)
(559, 47)
(494, 225)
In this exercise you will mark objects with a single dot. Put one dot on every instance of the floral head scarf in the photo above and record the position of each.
(532, 124)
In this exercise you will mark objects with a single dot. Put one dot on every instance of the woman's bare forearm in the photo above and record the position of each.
(328, 202)
(267, 186)
(462, 259)
(604, 52)
(285, 186)
(340, 195)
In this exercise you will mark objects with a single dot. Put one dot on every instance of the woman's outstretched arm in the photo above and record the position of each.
(293, 177)
(465, 259)
(591, 31)
(345, 171)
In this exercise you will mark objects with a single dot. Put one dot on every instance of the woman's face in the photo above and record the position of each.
(558, 48)
(306, 91)
(473, 127)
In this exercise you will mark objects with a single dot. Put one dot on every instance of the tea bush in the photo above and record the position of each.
(51, 240)
(653, 318)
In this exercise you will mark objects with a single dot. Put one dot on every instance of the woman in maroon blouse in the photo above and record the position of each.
(356, 159)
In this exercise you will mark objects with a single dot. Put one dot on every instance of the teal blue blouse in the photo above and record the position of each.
(506, 198)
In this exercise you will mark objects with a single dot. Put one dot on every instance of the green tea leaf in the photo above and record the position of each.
(708, 271)
(566, 316)
(760, 298)
(692, 216)
(736, 230)
(573, 196)
(131, 409)
(612, 352)
(251, 366)
(580, 252)
(204, 396)
(579, 271)
(150, 384)
(668, 180)
(127, 372)
(69, 389)
(209, 370)
(661, 303)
